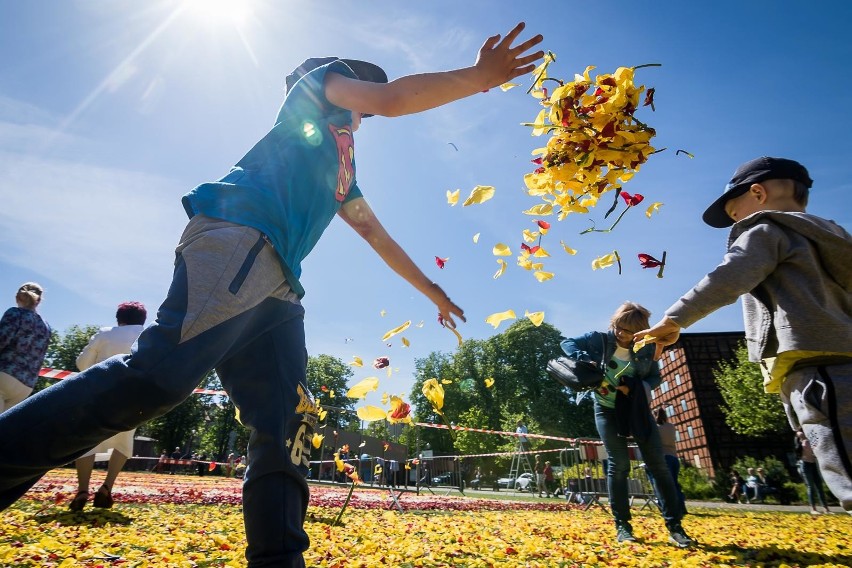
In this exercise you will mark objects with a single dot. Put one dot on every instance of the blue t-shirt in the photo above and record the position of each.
(292, 183)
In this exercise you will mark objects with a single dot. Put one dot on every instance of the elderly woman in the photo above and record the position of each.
(621, 409)
(24, 338)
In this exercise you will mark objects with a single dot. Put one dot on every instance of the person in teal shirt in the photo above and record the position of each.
(234, 302)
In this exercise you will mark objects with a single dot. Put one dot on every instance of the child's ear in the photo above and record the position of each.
(759, 192)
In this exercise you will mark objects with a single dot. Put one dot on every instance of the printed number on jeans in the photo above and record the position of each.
(299, 451)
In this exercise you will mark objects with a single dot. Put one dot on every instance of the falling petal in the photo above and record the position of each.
(540, 209)
(396, 330)
(540, 252)
(500, 270)
(498, 318)
(506, 86)
(371, 413)
(381, 362)
(441, 261)
(489, 382)
(568, 249)
(434, 393)
(420, 324)
(479, 194)
(653, 208)
(603, 261)
(405, 342)
(453, 197)
(382, 313)
(543, 225)
(648, 261)
(457, 334)
(385, 397)
(322, 414)
(642, 342)
(535, 317)
(356, 362)
(317, 440)
(446, 381)
(542, 276)
(501, 250)
(530, 236)
(361, 389)
(476, 238)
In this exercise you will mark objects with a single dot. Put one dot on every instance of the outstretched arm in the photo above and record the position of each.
(665, 332)
(358, 214)
(497, 63)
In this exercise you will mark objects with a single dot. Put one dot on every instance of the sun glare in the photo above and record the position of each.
(219, 12)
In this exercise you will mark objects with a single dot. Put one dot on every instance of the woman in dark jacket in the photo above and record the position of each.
(621, 409)
(24, 338)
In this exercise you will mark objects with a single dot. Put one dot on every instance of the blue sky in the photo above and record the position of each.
(111, 110)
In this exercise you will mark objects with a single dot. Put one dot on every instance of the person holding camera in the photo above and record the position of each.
(621, 410)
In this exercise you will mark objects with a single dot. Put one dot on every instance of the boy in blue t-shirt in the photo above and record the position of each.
(234, 302)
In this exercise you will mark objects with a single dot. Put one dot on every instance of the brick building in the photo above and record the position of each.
(693, 404)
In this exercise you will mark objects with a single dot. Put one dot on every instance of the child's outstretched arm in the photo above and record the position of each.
(664, 332)
(497, 63)
(358, 214)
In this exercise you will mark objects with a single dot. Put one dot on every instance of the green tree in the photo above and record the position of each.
(327, 375)
(63, 350)
(748, 409)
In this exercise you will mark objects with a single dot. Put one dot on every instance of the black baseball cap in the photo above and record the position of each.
(364, 70)
(751, 172)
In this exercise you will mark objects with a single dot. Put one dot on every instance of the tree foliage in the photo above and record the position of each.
(327, 379)
(748, 409)
(516, 360)
(63, 350)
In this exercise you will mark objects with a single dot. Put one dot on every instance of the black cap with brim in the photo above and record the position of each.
(364, 70)
(754, 171)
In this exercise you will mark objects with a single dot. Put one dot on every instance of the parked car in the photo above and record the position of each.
(446, 478)
(520, 484)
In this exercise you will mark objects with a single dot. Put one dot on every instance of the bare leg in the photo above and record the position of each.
(116, 463)
(84, 471)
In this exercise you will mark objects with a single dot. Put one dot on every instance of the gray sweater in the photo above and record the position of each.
(794, 273)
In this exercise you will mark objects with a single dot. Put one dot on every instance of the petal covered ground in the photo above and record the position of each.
(187, 521)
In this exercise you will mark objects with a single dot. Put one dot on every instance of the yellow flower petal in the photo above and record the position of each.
(405, 342)
(361, 389)
(453, 197)
(317, 440)
(489, 382)
(382, 313)
(479, 194)
(603, 261)
(457, 334)
(446, 381)
(506, 86)
(396, 330)
(568, 249)
(542, 276)
(540, 209)
(535, 317)
(500, 270)
(653, 208)
(530, 236)
(385, 398)
(356, 362)
(498, 318)
(476, 238)
(434, 393)
(501, 250)
(371, 413)
(541, 253)
(642, 342)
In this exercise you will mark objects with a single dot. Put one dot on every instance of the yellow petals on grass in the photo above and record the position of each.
(501, 250)
(396, 330)
(361, 389)
(479, 194)
(371, 413)
(535, 317)
(453, 197)
(498, 318)
(500, 270)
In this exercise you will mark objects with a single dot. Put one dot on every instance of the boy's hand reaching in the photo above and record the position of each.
(446, 307)
(499, 62)
(664, 333)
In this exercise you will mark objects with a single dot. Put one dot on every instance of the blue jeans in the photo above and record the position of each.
(813, 483)
(618, 468)
(228, 307)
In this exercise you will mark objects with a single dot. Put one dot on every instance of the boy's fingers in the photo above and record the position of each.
(490, 42)
(658, 352)
(524, 47)
(510, 37)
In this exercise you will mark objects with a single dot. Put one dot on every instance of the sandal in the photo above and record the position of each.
(79, 501)
(103, 498)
